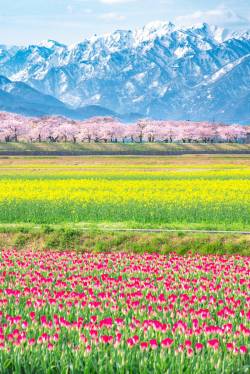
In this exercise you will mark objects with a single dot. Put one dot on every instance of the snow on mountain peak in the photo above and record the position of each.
(219, 34)
(159, 69)
(158, 27)
(50, 44)
(153, 30)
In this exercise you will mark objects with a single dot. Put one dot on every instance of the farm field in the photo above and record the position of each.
(201, 191)
(67, 312)
(77, 296)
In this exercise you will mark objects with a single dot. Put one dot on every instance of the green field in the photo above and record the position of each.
(202, 191)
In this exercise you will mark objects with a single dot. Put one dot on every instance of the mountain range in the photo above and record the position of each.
(160, 71)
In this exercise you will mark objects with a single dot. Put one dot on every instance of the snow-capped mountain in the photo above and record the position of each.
(161, 71)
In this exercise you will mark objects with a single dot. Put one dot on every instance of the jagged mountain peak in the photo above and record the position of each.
(155, 29)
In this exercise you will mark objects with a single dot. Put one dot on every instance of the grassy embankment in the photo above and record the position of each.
(145, 149)
(59, 238)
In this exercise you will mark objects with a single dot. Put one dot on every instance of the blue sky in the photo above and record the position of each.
(70, 21)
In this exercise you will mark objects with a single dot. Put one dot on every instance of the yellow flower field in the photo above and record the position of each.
(182, 191)
(47, 192)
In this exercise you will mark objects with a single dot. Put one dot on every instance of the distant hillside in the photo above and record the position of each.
(18, 97)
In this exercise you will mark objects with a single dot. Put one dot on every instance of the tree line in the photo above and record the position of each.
(16, 128)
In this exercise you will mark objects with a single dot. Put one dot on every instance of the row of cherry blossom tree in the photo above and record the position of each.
(15, 128)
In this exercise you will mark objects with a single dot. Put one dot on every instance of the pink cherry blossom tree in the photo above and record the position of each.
(14, 128)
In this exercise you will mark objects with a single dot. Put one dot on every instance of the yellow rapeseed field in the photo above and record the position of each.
(185, 191)
(209, 194)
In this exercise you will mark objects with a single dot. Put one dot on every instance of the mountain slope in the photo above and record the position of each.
(222, 97)
(160, 70)
(19, 98)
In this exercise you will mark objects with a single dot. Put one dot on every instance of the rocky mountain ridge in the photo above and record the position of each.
(159, 71)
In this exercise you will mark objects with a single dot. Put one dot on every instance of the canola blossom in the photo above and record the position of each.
(69, 312)
(121, 191)
(218, 195)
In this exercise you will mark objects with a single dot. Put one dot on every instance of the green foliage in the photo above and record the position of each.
(63, 239)
(41, 212)
(46, 229)
(21, 240)
(99, 241)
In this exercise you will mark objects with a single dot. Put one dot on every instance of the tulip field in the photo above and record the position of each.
(209, 191)
(67, 312)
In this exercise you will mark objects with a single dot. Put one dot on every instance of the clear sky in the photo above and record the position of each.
(70, 21)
